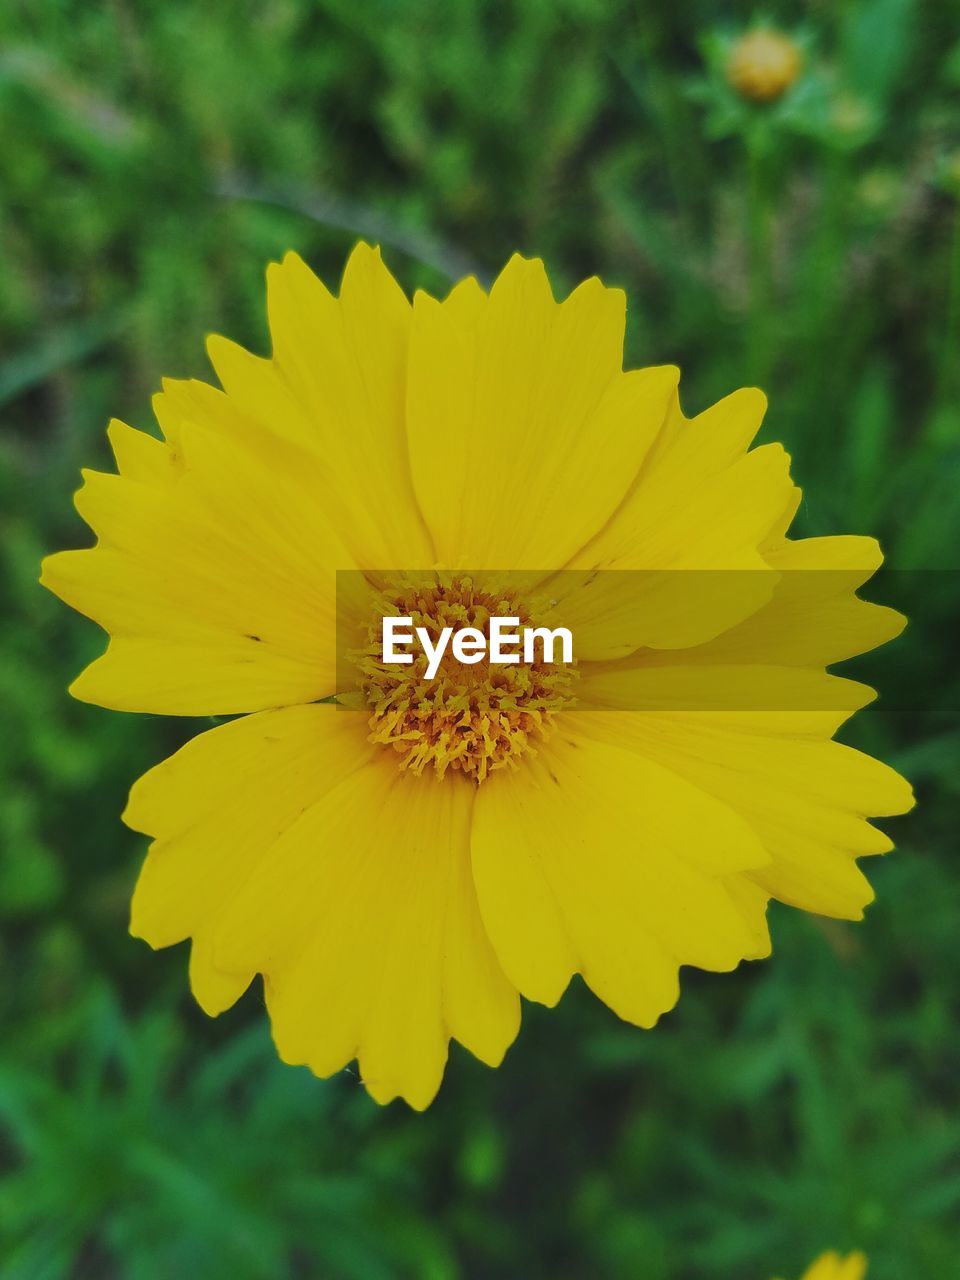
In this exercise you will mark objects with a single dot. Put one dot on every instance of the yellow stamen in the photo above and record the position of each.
(469, 719)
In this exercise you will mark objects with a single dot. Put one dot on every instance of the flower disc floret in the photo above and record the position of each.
(471, 719)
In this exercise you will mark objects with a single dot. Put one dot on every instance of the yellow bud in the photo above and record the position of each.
(879, 191)
(763, 64)
(850, 114)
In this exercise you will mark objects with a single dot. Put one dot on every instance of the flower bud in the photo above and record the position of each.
(763, 64)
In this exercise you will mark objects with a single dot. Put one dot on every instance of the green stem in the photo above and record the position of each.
(822, 289)
(950, 351)
(760, 260)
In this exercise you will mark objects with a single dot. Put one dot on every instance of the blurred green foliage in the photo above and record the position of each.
(153, 157)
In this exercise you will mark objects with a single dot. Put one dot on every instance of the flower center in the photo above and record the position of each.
(471, 719)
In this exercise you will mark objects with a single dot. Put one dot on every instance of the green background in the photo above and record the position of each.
(153, 157)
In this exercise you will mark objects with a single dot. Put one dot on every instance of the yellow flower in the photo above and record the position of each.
(398, 873)
(831, 1266)
(763, 64)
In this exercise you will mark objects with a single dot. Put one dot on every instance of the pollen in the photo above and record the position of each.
(468, 720)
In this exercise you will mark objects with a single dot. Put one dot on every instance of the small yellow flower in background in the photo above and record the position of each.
(850, 114)
(831, 1266)
(762, 64)
(950, 173)
(400, 874)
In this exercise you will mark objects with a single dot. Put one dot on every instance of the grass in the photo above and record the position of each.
(154, 158)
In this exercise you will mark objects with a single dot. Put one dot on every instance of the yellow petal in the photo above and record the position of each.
(716, 524)
(217, 600)
(363, 918)
(751, 902)
(813, 617)
(699, 500)
(215, 807)
(344, 361)
(684, 556)
(615, 614)
(538, 388)
(285, 844)
(710, 442)
(587, 859)
(213, 990)
(831, 1266)
(142, 457)
(194, 678)
(184, 400)
(807, 798)
(687, 685)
